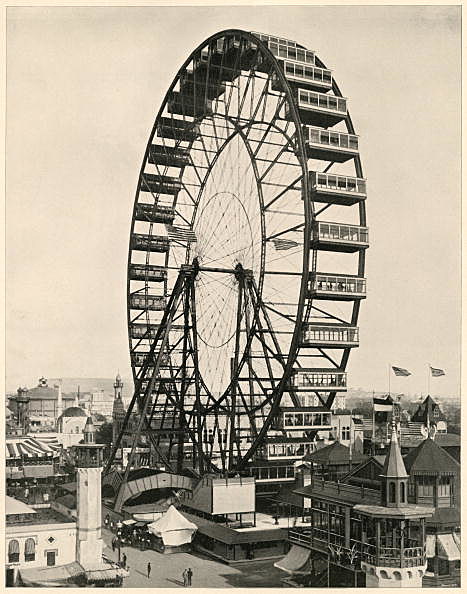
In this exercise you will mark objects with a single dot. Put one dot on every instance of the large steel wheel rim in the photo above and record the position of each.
(269, 240)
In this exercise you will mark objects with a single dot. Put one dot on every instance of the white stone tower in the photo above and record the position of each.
(89, 463)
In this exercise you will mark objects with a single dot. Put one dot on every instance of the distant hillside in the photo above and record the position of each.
(86, 384)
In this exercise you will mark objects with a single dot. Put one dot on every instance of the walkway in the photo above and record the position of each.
(166, 570)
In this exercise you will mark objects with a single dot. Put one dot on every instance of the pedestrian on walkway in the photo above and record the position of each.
(149, 569)
(124, 561)
(189, 575)
(113, 545)
(185, 577)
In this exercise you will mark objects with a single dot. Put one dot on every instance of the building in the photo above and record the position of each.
(46, 547)
(430, 413)
(70, 426)
(118, 409)
(33, 467)
(435, 481)
(43, 401)
(358, 535)
(36, 538)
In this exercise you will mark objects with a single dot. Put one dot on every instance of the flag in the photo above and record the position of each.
(401, 371)
(284, 244)
(382, 404)
(181, 233)
(437, 372)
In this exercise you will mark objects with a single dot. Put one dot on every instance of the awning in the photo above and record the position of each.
(106, 575)
(142, 523)
(51, 576)
(128, 522)
(448, 548)
(296, 561)
(430, 545)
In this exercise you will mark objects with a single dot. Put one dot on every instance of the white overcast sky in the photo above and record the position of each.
(83, 88)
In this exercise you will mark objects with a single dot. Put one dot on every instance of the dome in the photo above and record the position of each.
(74, 411)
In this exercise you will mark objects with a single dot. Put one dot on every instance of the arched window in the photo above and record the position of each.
(402, 493)
(13, 551)
(392, 492)
(30, 550)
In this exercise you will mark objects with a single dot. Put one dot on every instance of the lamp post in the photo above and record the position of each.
(119, 534)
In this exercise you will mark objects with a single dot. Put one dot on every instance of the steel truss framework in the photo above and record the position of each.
(242, 297)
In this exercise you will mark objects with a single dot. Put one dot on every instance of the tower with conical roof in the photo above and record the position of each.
(89, 463)
(394, 477)
(118, 411)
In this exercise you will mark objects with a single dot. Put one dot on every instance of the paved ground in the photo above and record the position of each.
(167, 570)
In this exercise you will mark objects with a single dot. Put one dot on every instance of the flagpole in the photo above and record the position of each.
(373, 448)
(428, 382)
(389, 378)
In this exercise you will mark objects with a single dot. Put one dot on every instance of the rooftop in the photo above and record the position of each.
(42, 516)
(341, 492)
(430, 458)
(335, 453)
(14, 506)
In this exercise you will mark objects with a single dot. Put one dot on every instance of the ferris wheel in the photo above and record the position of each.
(247, 252)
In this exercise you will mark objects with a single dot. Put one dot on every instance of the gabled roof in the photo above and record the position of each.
(334, 453)
(429, 458)
(394, 464)
(427, 409)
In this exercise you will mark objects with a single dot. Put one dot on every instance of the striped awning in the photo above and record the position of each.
(32, 447)
(448, 547)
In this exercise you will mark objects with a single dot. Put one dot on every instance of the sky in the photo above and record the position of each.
(83, 88)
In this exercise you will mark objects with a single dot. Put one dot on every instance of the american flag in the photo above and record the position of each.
(181, 233)
(437, 372)
(284, 244)
(401, 371)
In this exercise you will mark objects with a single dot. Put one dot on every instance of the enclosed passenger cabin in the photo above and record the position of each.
(305, 418)
(304, 75)
(189, 105)
(149, 243)
(284, 448)
(177, 129)
(239, 52)
(150, 302)
(160, 184)
(284, 49)
(211, 59)
(338, 237)
(330, 335)
(138, 359)
(171, 156)
(201, 85)
(147, 272)
(319, 109)
(144, 330)
(330, 145)
(154, 213)
(319, 380)
(330, 188)
(336, 287)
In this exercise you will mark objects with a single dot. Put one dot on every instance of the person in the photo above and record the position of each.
(189, 575)
(124, 561)
(113, 545)
(185, 577)
(149, 569)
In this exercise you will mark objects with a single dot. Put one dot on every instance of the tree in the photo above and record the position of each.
(104, 434)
